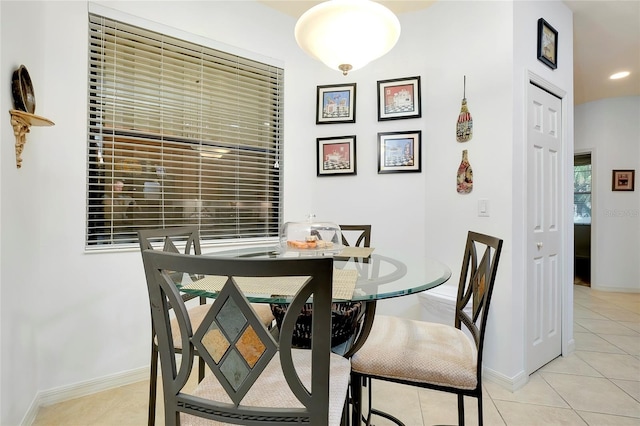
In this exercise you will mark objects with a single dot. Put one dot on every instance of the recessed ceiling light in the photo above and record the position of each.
(618, 75)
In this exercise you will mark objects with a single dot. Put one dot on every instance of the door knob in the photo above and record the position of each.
(539, 244)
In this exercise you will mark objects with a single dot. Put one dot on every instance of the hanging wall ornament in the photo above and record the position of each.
(465, 175)
(464, 127)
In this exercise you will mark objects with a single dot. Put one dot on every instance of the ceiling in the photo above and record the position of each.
(606, 37)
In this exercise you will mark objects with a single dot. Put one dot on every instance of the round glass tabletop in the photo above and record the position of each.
(378, 276)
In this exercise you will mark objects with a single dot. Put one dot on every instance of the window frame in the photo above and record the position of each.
(97, 184)
(579, 161)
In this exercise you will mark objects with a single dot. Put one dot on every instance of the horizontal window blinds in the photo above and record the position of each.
(179, 134)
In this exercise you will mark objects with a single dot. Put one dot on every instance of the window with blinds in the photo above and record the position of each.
(179, 134)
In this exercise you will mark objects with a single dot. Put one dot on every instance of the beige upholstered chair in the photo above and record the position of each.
(170, 239)
(431, 355)
(254, 379)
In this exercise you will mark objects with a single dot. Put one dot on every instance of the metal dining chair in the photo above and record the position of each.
(431, 355)
(346, 316)
(360, 235)
(254, 379)
(169, 239)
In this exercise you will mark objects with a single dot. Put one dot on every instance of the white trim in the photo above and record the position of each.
(183, 35)
(549, 87)
(510, 383)
(204, 244)
(615, 289)
(77, 390)
(31, 414)
(594, 208)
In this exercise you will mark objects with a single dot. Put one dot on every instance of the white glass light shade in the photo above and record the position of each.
(347, 34)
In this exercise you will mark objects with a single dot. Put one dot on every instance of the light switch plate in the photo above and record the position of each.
(483, 207)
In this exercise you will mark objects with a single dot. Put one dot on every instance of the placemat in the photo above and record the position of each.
(344, 283)
(356, 252)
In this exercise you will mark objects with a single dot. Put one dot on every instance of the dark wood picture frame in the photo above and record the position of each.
(623, 180)
(400, 152)
(336, 156)
(547, 44)
(336, 103)
(399, 99)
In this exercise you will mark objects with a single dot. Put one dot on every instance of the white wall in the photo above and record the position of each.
(70, 318)
(19, 219)
(610, 130)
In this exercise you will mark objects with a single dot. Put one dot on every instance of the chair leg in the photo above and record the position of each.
(344, 421)
(200, 369)
(373, 412)
(356, 399)
(153, 384)
(461, 409)
(480, 409)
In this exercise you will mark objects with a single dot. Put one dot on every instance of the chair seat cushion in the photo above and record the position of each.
(264, 312)
(264, 394)
(198, 312)
(419, 352)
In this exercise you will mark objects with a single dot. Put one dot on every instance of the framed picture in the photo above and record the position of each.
(623, 180)
(399, 98)
(547, 44)
(400, 152)
(336, 104)
(336, 155)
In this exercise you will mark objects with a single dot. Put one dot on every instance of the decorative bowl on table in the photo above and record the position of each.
(311, 237)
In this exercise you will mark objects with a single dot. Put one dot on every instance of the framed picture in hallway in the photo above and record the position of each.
(336, 156)
(547, 44)
(336, 104)
(623, 180)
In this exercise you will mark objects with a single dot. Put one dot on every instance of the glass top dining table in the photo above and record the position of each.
(378, 277)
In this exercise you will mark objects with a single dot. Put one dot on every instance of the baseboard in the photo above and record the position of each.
(615, 289)
(570, 347)
(510, 383)
(77, 390)
(30, 415)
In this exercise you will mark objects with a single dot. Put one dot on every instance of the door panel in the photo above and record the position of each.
(544, 260)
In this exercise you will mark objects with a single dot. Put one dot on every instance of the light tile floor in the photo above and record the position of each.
(599, 384)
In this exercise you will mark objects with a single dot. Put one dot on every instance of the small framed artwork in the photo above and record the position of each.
(400, 152)
(547, 44)
(399, 99)
(336, 104)
(337, 155)
(623, 180)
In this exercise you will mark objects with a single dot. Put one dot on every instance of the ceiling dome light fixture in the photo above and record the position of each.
(347, 34)
(618, 75)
